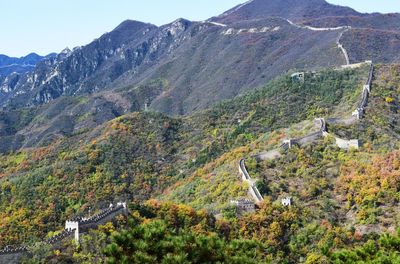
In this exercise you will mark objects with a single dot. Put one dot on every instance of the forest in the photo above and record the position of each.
(180, 173)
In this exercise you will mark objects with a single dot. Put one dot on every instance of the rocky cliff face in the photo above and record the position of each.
(72, 72)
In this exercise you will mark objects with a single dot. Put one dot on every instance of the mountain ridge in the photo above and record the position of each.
(295, 10)
(159, 44)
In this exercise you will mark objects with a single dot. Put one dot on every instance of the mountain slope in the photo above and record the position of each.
(176, 69)
(202, 63)
(140, 155)
(225, 62)
(75, 70)
(296, 10)
(376, 21)
(316, 13)
(80, 132)
(379, 45)
(195, 58)
(371, 37)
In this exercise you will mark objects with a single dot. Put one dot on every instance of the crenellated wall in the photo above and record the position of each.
(73, 228)
(256, 193)
(81, 225)
(243, 171)
(308, 138)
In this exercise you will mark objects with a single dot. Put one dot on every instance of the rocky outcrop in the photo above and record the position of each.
(74, 71)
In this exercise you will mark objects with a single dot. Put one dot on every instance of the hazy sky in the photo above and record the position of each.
(45, 26)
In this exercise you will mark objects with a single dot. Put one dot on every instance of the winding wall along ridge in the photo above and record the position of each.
(322, 132)
(253, 190)
(340, 46)
(341, 143)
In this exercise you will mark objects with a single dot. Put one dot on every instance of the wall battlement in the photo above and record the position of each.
(80, 225)
(74, 227)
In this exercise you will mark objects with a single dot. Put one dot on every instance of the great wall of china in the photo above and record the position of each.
(339, 45)
(78, 226)
(253, 190)
(73, 228)
(322, 132)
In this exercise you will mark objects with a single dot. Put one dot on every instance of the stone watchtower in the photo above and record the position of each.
(72, 225)
(358, 113)
(243, 205)
(287, 201)
(298, 77)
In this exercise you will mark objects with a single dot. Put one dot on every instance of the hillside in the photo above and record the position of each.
(380, 45)
(66, 116)
(376, 21)
(316, 13)
(193, 160)
(141, 154)
(167, 91)
(183, 67)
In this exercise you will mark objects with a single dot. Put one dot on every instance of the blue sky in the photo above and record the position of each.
(45, 26)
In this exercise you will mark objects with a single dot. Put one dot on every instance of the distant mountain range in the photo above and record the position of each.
(24, 64)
